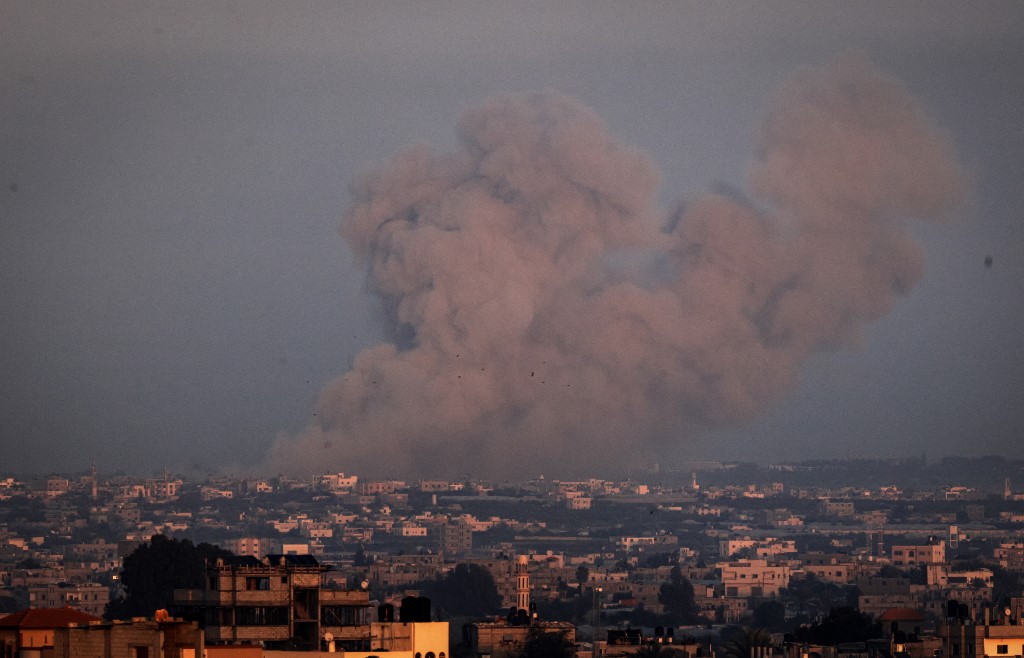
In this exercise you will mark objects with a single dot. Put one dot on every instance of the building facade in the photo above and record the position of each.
(280, 601)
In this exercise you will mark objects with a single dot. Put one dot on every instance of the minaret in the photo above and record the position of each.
(93, 488)
(522, 584)
(1007, 492)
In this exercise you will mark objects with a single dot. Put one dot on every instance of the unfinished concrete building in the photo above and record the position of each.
(279, 602)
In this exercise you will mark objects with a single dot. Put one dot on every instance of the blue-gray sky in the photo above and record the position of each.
(174, 291)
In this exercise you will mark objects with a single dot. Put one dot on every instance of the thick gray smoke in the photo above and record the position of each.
(549, 317)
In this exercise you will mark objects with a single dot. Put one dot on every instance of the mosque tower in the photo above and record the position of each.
(522, 583)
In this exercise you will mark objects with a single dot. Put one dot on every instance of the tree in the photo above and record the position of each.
(468, 590)
(582, 576)
(677, 597)
(655, 560)
(650, 651)
(575, 609)
(498, 534)
(918, 575)
(743, 642)
(843, 624)
(9, 604)
(547, 645)
(814, 598)
(155, 569)
(1005, 583)
(29, 563)
(770, 615)
(889, 571)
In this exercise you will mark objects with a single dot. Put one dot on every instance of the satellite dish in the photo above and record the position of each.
(365, 584)
(329, 636)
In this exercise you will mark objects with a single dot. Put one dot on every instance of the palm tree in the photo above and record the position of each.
(658, 651)
(650, 651)
(747, 642)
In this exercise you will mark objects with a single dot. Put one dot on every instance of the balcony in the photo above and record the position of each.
(246, 633)
(227, 597)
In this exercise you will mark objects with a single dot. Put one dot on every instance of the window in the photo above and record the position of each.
(257, 583)
(1002, 648)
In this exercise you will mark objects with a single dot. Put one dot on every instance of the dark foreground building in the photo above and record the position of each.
(279, 601)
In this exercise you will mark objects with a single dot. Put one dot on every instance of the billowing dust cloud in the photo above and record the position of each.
(548, 316)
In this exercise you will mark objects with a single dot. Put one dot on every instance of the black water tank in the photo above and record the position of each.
(414, 609)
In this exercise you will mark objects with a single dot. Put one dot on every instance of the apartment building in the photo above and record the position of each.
(254, 546)
(397, 571)
(280, 601)
(907, 556)
(964, 637)
(90, 598)
(454, 537)
(744, 578)
(1010, 555)
(830, 567)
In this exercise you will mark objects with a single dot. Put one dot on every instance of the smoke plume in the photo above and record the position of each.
(547, 315)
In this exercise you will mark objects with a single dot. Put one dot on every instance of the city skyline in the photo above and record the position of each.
(177, 293)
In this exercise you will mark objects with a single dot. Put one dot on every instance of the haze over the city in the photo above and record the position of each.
(721, 231)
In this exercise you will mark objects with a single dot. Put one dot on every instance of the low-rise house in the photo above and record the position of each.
(28, 633)
(141, 638)
(501, 639)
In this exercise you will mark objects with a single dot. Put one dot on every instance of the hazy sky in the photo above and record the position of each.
(174, 290)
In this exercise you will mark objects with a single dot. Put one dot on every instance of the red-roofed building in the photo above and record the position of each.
(907, 620)
(29, 631)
